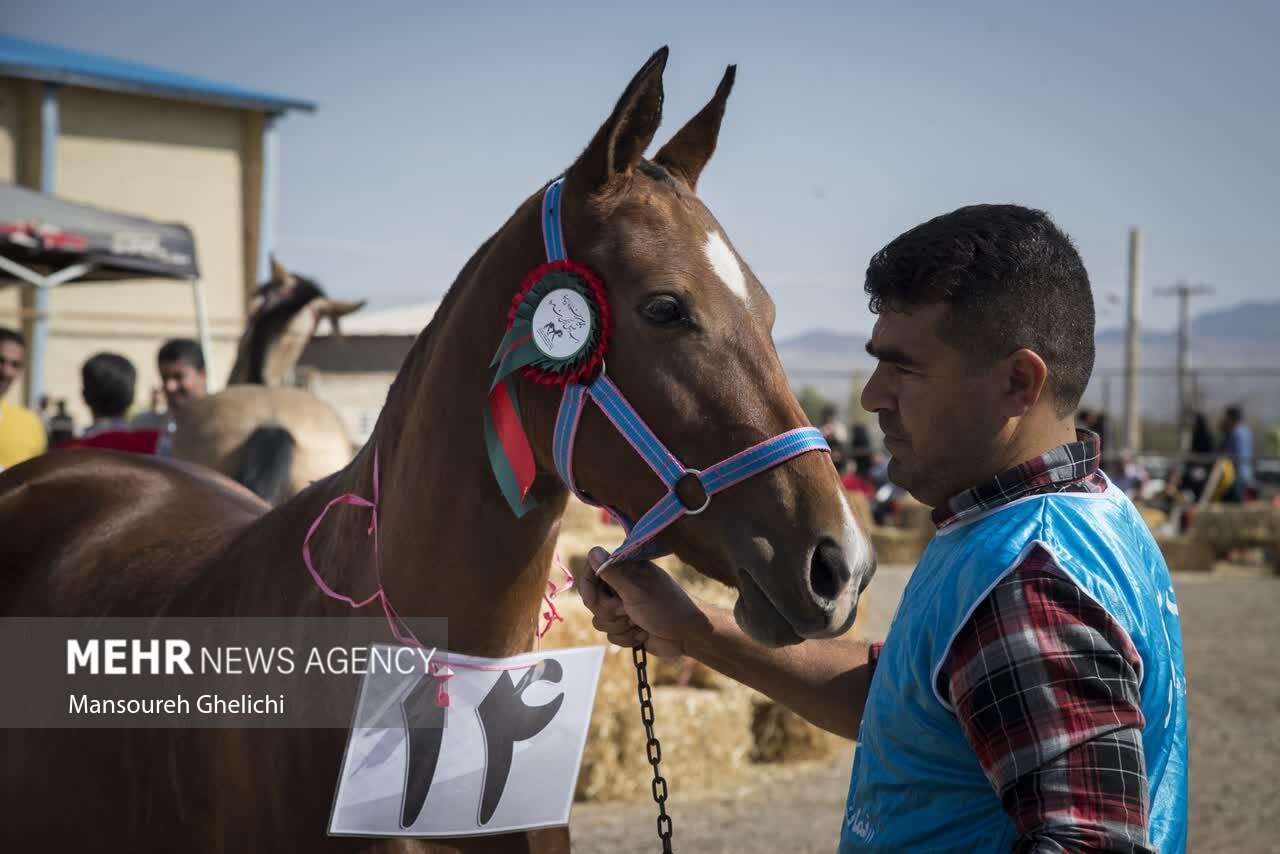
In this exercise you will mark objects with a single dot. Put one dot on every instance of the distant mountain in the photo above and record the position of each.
(826, 361)
(1260, 320)
(1231, 347)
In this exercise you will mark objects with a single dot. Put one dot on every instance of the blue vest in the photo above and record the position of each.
(916, 783)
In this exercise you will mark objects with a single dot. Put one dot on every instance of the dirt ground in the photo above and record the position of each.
(1233, 677)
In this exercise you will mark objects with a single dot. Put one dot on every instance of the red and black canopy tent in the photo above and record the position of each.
(46, 242)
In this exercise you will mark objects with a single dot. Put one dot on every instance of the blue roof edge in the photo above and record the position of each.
(55, 64)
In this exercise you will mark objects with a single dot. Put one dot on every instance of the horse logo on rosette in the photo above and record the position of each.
(549, 333)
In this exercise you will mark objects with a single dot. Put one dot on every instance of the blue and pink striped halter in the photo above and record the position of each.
(641, 540)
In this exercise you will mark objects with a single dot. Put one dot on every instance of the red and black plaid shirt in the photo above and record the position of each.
(1045, 684)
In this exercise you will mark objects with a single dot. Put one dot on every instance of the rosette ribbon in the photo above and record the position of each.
(557, 333)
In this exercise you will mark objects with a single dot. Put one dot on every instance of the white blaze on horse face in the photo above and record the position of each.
(725, 264)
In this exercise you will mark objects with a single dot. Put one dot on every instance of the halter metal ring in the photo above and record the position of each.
(697, 474)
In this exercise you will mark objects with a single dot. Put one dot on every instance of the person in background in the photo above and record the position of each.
(107, 384)
(1130, 476)
(860, 449)
(855, 481)
(109, 381)
(62, 427)
(836, 434)
(22, 434)
(44, 409)
(1237, 442)
(183, 377)
(1195, 473)
(181, 363)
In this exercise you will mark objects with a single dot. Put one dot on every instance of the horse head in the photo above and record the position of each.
(287, 311)
(692, 349)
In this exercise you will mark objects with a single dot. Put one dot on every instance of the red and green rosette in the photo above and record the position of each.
(557, 333)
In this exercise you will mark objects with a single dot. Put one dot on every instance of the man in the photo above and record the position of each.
(108, 382)
(22, 435)
(836, 434)
(183, 379)
(181, 363)
(1237, 442)
(1029, 695)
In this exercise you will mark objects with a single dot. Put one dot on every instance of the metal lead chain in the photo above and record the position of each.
(652, 748)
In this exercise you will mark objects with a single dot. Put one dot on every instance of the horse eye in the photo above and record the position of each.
(664, 310)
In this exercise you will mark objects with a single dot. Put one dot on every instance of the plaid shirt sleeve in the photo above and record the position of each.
(1045, 686)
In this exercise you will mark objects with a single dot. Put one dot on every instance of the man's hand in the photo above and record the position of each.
(638, 603)
(634, 603)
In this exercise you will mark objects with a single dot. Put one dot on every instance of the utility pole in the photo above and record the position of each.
(1184, 293)
(1133, 346)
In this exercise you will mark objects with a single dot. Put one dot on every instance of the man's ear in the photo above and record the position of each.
(1026, 378)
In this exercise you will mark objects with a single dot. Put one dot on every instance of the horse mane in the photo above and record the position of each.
(423, 346)
(268, 326)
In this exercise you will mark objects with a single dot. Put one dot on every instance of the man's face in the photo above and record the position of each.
(941, 413)
(182, 382)
(12, 357)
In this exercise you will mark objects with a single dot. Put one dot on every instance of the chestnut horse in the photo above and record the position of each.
(97, 533)
(271, 437)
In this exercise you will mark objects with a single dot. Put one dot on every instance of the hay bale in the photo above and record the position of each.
(696, 584)
(861, 507)
(1238, 526)
(580, 517)
(687, 672)
(705, 737)
(911, 515)
(1185, 553)
(894, 545)
(780, 735)
(1156, 520)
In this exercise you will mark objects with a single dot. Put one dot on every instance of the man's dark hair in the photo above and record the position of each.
(7, 334)
(1010, 279)
(182, 350)
(108, 380)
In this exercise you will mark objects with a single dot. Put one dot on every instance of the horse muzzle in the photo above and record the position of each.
(784, 601)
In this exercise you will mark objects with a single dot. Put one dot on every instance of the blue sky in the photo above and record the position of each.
(850, 122)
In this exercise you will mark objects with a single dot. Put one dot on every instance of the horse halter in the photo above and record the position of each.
(641, 536)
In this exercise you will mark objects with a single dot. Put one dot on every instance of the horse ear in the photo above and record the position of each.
(279, 273)
(335, 308)
(621, 141)
(687, 153)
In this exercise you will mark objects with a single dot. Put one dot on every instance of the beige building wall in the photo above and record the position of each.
(358, 396)
(164, 160)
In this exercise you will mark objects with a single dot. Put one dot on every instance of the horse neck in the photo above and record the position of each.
(272, 345)
(449, 544)
(286, 351)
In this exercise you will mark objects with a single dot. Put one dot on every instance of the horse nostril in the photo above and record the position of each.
(828, 572)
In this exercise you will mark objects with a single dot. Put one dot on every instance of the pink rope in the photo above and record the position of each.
(442, 672)
(551, 615)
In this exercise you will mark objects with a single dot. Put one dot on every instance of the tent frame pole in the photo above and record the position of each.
(206, 338)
